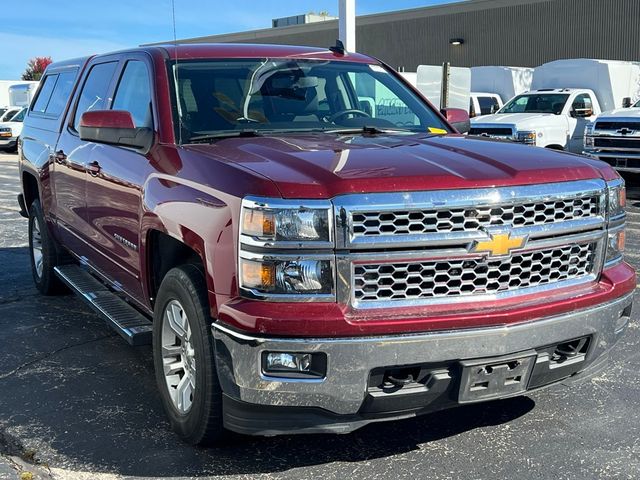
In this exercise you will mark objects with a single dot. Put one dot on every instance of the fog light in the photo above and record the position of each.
(294, 365)
(295, 362)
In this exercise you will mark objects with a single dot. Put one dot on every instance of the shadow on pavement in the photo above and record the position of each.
(83, 400)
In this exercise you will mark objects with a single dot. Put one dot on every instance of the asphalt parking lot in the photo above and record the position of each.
(77, 402)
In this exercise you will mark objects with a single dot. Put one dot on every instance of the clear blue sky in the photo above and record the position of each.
(69, 28)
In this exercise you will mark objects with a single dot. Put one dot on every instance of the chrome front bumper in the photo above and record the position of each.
(351, 360)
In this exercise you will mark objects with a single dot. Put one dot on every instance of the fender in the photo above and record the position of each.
(201, 218)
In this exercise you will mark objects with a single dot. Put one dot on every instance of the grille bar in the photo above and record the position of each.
(472, 219)
(617, 142)
(433, 280)
(455, 217)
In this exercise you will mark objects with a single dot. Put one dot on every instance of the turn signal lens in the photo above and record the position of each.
(259, 223)
(258, 275)
(621, 241)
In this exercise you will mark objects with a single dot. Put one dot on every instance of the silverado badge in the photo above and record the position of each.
(500, 244)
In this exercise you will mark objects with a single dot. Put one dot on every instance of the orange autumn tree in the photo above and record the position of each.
(35, 68)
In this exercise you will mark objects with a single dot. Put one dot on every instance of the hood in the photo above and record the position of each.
(630, 113)
(326, 165)
(518, 119)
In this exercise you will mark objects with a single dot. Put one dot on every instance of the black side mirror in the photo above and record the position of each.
(626, 102)
(114, 127)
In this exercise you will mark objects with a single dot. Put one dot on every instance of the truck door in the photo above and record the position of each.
(114, 185)
(71, 158)
(581, 114)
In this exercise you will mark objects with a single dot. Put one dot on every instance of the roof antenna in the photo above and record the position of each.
(175, 71)
(338, 47)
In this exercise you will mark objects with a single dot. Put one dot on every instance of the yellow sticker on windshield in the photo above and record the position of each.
(436, 130)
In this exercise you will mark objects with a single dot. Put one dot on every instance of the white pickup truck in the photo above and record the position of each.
(11, 130)
(548, 117)
(615, 138)
(565, 96)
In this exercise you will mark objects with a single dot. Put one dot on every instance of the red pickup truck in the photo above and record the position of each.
(308, 244)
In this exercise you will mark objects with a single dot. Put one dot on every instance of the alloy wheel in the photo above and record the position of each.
(178, 356)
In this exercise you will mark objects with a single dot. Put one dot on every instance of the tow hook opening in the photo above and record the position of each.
(570, 350)
(399, 377)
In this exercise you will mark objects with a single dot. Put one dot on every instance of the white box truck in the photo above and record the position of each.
(492, 86)
(566, 96)
(429, 81)
(21, 94)
(16, 93)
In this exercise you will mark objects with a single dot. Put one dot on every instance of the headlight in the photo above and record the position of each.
(615, 246)
(527, 136)
(616, 203)
(617, 198)
(588, 136)
(286, 275)
(273, 222)
(274, 234)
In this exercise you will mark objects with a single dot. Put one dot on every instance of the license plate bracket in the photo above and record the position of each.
(490, 378)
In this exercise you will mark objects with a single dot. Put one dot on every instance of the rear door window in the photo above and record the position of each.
(60, 94)
(48, 84)
(134, 93)
(95, 90)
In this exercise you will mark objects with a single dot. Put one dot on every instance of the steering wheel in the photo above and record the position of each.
(350, 111)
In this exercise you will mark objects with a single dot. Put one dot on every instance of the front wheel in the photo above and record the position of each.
(183, 354)
(44, 253)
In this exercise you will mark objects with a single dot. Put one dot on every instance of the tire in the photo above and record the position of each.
(43, 253)
(183, 348)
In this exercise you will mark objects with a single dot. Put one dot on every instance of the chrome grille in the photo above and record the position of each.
(433, 279)
(472, 219)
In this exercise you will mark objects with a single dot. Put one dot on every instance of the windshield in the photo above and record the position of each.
(18, 117)
(636, 105)
(536, 103)
(283, 95)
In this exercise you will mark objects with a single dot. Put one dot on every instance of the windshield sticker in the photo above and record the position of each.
(436, 130)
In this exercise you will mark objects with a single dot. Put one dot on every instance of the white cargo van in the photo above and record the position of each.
(567, 95)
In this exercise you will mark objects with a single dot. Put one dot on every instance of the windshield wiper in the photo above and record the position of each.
(368, 130)
(225, 134)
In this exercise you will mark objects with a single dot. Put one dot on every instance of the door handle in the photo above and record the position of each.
(93, 168)
(60, 157)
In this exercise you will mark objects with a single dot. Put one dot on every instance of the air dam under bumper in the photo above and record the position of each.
(348, 398)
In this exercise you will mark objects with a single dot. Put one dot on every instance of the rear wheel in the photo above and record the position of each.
(184, 358)
(44, 253)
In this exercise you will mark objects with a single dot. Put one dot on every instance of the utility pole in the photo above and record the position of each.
(347, 24)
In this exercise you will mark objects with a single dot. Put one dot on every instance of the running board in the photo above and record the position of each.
(134, 327)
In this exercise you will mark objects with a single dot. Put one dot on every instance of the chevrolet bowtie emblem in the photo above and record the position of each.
(500, 244)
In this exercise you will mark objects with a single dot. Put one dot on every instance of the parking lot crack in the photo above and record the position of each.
(51, 354)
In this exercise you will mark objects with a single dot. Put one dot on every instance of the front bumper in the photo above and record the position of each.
(8, 142)
(344, 400)
(624, 161)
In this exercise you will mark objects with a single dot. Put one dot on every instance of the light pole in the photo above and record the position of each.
(347, 24)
